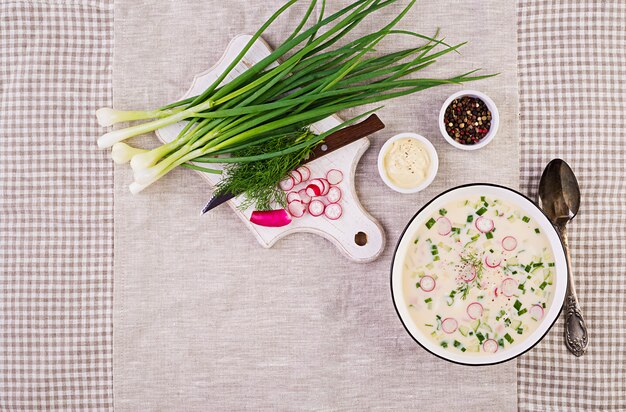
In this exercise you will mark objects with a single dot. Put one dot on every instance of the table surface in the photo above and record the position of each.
(57, 210)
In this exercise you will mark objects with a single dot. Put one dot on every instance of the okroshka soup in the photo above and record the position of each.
(478, 277)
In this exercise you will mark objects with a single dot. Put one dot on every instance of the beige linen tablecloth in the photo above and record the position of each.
(206, 319)
(340, 345)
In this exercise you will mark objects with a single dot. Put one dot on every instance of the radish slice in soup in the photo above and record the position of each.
(449, 325)
(490, 346)
(474, 310)
(444, 226)
(427, 283)
(509, 243)
(536, 311)
(484, 225)
(509, 286)
(492, 262)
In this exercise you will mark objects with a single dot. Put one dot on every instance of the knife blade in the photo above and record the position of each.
(334, 141)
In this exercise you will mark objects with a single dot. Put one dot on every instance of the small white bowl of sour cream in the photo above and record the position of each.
(408, 163)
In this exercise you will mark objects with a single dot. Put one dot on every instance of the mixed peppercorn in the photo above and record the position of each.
(467, 120)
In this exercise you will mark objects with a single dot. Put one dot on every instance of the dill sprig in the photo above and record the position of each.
(259, 180)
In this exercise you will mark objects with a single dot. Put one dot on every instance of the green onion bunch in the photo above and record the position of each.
(305, 79)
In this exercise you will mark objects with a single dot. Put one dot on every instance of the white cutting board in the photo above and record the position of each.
(355, 219)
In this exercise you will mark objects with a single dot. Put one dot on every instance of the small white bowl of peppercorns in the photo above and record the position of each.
(469, 120)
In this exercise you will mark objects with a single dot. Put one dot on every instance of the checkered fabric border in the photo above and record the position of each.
(572, 72)
(56, 206)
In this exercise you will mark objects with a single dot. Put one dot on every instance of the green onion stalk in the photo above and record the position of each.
(305, 79)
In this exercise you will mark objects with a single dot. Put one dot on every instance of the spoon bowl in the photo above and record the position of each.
(559, 193)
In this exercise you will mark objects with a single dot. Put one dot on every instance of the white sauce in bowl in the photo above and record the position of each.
(406, 163)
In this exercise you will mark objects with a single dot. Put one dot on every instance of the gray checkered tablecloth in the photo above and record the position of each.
(572, 72)
(56, 204)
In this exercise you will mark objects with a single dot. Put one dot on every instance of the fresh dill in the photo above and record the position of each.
(259, 180)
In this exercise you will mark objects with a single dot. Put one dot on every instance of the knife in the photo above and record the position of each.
(334, 141)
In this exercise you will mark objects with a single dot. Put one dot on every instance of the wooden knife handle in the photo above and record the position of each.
(347, 135)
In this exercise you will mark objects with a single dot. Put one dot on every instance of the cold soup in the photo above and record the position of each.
(478, 276)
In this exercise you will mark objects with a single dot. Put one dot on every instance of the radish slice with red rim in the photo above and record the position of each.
(305, 172)
(316, 208)
(492, 262)
(325, 186)
(484, 224)
(291, 196)
(334, 176)
(304, 196)
(469, 274)
(490, 346)
(444, 226)
(509, 243)
(333, 211)
(297, 177)
(508, 287)
(313, 190)
(296, 208)
(474, 310)
(287, 184)
(334, 194)
(536, 311)
(427, 283)
(449, 325)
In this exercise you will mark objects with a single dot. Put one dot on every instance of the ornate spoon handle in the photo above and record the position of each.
(576, 338)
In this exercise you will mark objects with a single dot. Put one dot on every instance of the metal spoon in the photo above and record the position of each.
(559, 197)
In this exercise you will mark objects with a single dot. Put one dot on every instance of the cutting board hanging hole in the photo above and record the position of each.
(360, 238)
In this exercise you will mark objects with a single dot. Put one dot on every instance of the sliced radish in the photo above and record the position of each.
(304, 196)
(492, 261)
(509, 243)
(297, 177)
(320, 185)
(316, 208)
(334, 176)
(313, 190)
(508, 287)
(474, 310)
(484, 225)
(287, 184)
(427, 283)
(449, 325)
(536, 311)
(296, 208)
(469, 274)
(291, 196)
(333, 211)
(305, 172)
(495, 292)
(334, 194)
(490, 346)
(325, 186)
(444, 226)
